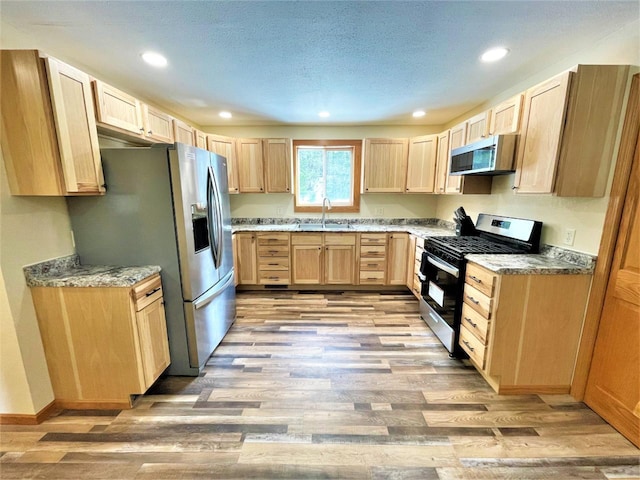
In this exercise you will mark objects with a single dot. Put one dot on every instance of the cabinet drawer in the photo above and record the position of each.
(472, 346)
(147, 292)
(478, 301)
(273, 251)
(475, 323)
(371, 278)
(306, 239)
(273, 239)
(372, 251)
(418, 255)
(373, 239)
(339, 239)
(273, 277)
(372, 264)
(274, 263)
(481, 279)
(417, 286)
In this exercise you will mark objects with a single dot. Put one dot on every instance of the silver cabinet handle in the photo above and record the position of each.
(475, 279)
(468, 346)
(473, 300)
(474, 325)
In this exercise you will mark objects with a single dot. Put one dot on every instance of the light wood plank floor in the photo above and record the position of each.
(325, 385)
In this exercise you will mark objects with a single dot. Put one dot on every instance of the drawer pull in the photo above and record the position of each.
(468, 346)
(474, 325)
(473, 300)
(475, 279)
(272, 264)
(273, 251)
(148, 294)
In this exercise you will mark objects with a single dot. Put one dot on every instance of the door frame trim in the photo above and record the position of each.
(628, 142)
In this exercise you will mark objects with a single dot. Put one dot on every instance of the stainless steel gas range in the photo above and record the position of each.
(442, 271)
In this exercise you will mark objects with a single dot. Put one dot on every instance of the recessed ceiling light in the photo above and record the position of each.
(324, 114)
(419, 113)
(494, 54)
(154, 59)
(225, 114)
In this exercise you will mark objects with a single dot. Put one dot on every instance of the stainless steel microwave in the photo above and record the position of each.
(489, 156)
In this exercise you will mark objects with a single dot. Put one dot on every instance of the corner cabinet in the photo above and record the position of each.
(520, 345)
(385, 165)
(49, 135)
(421, 166)
(102, 344)
(568, 133)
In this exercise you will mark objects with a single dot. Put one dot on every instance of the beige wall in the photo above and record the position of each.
(32, 229)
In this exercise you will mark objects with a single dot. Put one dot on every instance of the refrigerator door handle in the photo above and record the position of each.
(207, 299)
(214, 235)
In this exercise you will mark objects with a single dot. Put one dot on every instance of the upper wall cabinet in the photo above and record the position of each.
(478, 127)
(158, 126)
(250, 165)
(183, 132)
(572, 117)
(385, 165)
(226, 146)
(115, 108)
(421, 167)
(277, 164)
(48, 134)
(505, 118)
(200, 139)
(442, 162)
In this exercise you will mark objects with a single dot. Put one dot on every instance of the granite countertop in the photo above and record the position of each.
(534, 264)
(67, 272)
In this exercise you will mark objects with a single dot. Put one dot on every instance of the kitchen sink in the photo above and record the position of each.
(317, 227)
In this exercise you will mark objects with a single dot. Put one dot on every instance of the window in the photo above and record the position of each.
(327, 168)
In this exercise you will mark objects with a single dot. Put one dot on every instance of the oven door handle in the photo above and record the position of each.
(443, 266)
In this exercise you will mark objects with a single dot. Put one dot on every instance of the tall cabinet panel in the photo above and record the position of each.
(226, 146)
(457, 138)
(250, 165)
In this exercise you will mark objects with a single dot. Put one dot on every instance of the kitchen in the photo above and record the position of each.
(48, 216)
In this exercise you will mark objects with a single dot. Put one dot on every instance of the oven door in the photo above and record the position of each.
(441, 288)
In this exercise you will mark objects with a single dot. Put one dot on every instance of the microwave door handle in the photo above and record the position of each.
(210, 200)
(443, 266)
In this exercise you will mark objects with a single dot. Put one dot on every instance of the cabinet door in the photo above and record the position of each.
(182, 132)
(421, 168)
(250, 165)
(411, 257)
(307, 264)
(442, 162)
(457, 139)
(200, 139)
(385, 164)
(539, 145)
(397, 247)
(115, 108)
(340, 262)
(505, 118)
(478, 127)
(154, 344)
(158, 125)
(247, 259)
(226, 146)
(76, 129)
(277, 164)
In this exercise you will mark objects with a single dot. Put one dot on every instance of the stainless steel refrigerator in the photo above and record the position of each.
(167, 205)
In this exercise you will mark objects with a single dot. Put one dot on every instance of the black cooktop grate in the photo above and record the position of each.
(471, 244)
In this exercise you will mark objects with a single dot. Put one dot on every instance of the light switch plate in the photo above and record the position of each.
(279, 210)
(378, 211)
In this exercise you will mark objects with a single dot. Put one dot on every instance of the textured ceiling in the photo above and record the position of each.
(281, 62)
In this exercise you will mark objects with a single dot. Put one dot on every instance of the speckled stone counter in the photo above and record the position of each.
(67, 272)
(528, 265)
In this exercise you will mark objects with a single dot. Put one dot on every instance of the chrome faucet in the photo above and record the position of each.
(325, 199)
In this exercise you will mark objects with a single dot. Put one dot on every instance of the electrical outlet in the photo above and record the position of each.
(279, 210)
(73, 239)
(569, 236)
(378, 211)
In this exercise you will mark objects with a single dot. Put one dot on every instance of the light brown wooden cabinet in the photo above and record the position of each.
(246, 258)
(273, 258)
(200, 139)
(505, 117)
(569, 126)
(385, 165)
(421, 164)
(49, 136)
(250, 165)
(323, 259)
(442, 162)
(478, 127)
(158, 126)
(397, 248)
(277, 164)
(306, 258)
(117, 109)
(339, 258)
(183, 133)
(457, 138)
(102, 344)
(226, 146)
(522, 346)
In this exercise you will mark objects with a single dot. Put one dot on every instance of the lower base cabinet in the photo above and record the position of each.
(323, 259)
(102, 344)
